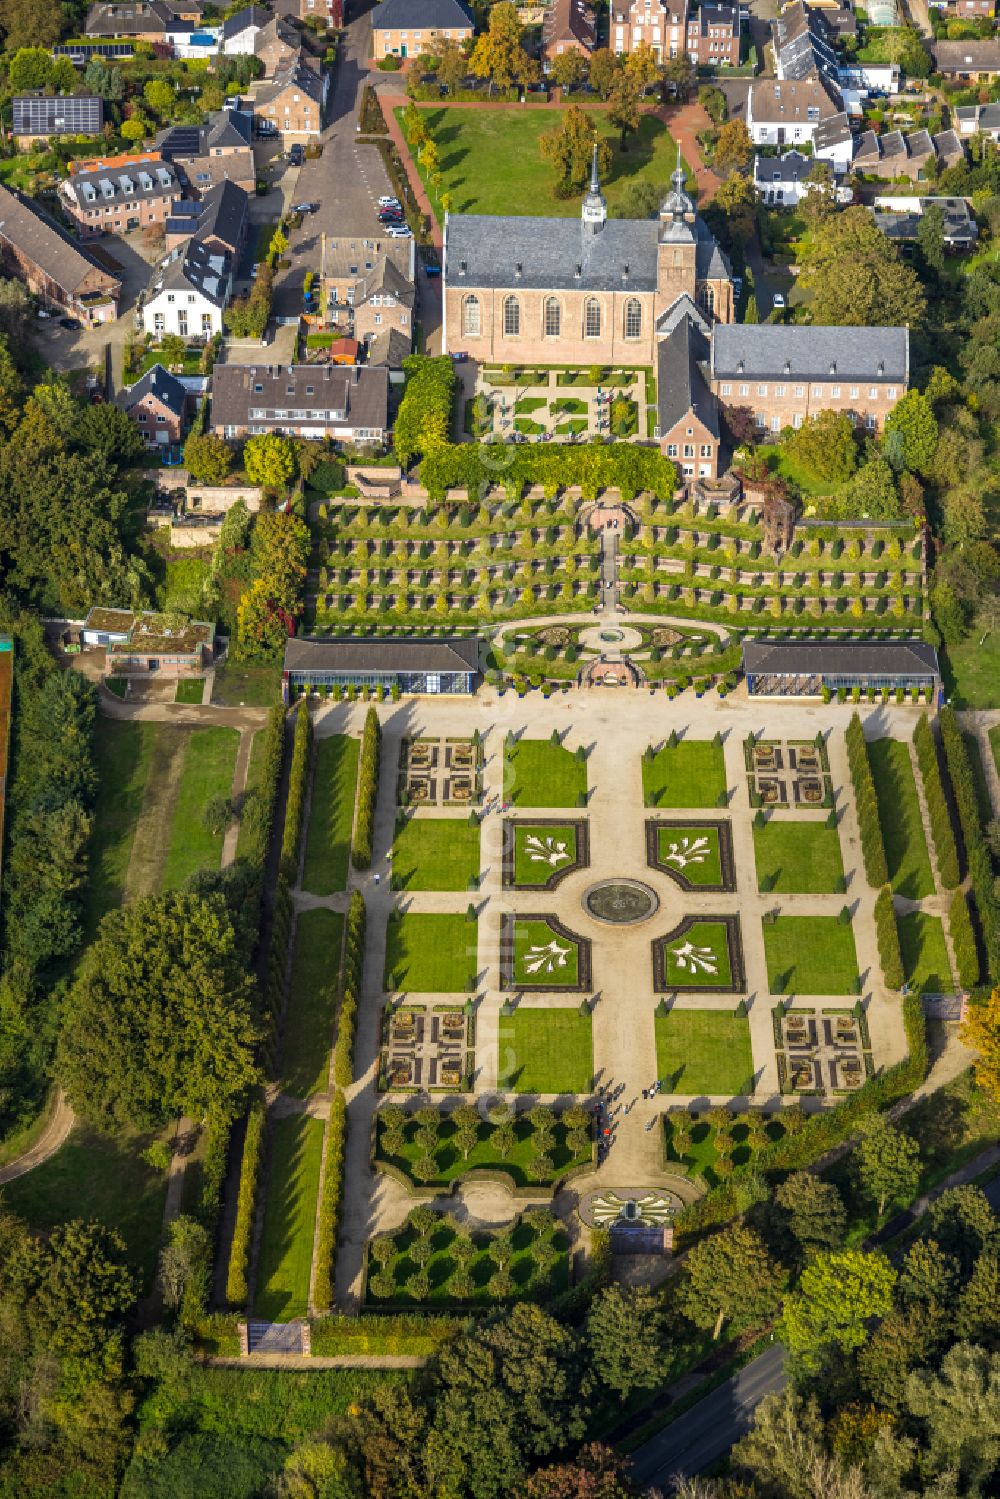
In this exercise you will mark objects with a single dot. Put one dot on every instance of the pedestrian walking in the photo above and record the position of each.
(645, 1093)
(649, 1126)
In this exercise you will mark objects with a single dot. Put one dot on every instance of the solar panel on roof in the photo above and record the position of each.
(184, 138)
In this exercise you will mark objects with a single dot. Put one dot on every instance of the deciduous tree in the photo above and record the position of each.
(207, 458)
(730, 1277)
(814, 1211)
(981, 1031)
(855, 276)
(570, 148)
(836, 1296)
(604, 69)
(269, 460)
(499, 54)
(625, 1336)
(911, 433)
(888, 1162)
(733, 148)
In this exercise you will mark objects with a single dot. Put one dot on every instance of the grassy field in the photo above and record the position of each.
(452, 1164)
(490, 161)
(798, 857)
(207, 772)
(253, 783)
(289, 1219)
(704, 1051)
(680, 850)
(124, 753)
(312, 1001)
(810, 955)
(538, 773)
(97, 1176)
(541, 850)
(331, 815)
(925, 956)
(692, 774)
(899, 813)
(431, 953)
(712, 947)
(191, 690)
(241, 684)
(436, 853)
(971, 672)
(546, 1051)
(534, 965)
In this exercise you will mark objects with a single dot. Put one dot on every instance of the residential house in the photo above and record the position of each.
(278, 45)
(331, 11)
(219, 150)
(787, 374)
(661, 23)
(157, 21)
(803, 44)
(350, 265)
(976, 119)
(39, 117)
(897, 155)
(899, 219)
(783, 113)
(713, 36)
(975, 10)
(39, 252)
(784, 180)
(389, 347)
(968, 61)
(291, 105)
(864, 78)
(384, 300)
(569, 26)
(405, 28)
(240, 31)
(189, 293)
(833, 141)
(124, 194)
(220, 220)
(687, 413)
(302, 400)
(159, 405)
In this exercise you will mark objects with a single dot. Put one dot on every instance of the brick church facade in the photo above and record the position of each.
(522, 290)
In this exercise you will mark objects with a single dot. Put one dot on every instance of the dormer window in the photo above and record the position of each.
(578, 272)
(788, 366)
(833, 367)
(881, 368)
(741, 367)
(463, 266)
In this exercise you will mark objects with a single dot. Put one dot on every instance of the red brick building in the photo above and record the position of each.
(39, 252)
(159, 405)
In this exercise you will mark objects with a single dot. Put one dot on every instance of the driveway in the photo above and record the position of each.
(346, 180)
(85, 348)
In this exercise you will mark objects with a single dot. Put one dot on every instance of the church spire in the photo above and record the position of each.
(595, 209)
(677, 207)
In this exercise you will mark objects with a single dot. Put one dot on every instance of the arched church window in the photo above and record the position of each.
(633, 318)
(553, 317)
(470, 318)
(511, 317)
(592, 318)
(707, 299)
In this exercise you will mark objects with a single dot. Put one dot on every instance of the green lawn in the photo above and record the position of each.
(243, 684)
(439, 853)
(431, 953)
(925, 956)
(542, 850)
(286, 1247)
(798, 857)
(207, 772)
(331, 815)
(810, 955)
(452, 1164)
(995, 746)
(123, 753)
(97, 1176)
(546, 1051)
(542, 956)
(190, 690)
(312, 1001)
(490, 161)
(704, 1051)
(708, 966)
(692, 774)
(253, 784)
(899, 813)
(971, 672)
(538, 773)
(693, 853)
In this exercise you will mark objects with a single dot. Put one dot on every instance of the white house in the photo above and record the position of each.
(190, 293)
(782, 113)
(833, 141)
(782, 181)
(240, 32)
(870, 77)
(971, 119)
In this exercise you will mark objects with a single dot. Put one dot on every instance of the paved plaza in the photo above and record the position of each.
(534, 943)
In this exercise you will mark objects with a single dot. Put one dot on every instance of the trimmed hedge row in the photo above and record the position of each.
(246, 1202)
(937, 804)
(872, 846)
(354, 962)
(329, 1204)
(298, 781)
(819, 1133)
(963, 937)
(213, 1170)
(266, 795)
(977, 854)
(368, 768)
(887, 933)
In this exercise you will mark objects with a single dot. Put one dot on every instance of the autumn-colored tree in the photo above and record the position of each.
(855, 276)
(733, 148)
(623, 106)
(604, 69)
(837, 1295)
(499, 55)
(570, 148)
(568, 69)
(981, 1031)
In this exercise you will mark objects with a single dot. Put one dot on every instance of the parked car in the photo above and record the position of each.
(304, 207)
(387, 214)
(459, 357)
(387, 202)
(297, 155)
(432, 266)
(399, 231)
(42, 312)
(778, 299)
(69, 322)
